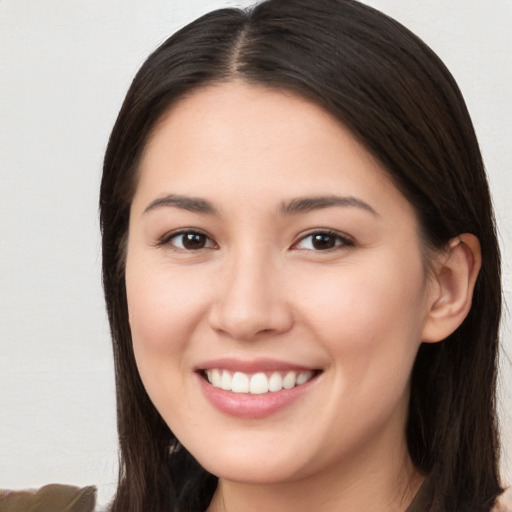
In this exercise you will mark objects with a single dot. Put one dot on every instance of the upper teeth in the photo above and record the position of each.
(257, 383)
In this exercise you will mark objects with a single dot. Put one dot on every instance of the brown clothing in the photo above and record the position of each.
(66, 498)
(50, 498)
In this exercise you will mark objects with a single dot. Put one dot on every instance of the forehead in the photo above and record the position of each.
(232, 116)
(235, 139)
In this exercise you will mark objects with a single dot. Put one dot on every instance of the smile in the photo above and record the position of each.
(254, 389)
(257, 383)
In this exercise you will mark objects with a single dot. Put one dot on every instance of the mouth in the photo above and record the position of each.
(255, 389)
(259, 383)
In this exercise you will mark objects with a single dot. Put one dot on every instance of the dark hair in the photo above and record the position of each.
(398, 98)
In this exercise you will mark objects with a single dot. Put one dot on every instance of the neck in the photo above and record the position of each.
(382, 478)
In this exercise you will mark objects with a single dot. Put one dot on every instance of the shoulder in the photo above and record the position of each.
(55, 497)
(504, 501)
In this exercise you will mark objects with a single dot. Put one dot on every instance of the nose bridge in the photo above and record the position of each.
(250, 300)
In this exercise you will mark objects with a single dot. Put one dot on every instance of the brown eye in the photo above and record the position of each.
(190, 241)
(323, 241)
(193, 240)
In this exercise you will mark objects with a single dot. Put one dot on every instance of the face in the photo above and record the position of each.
(276, 287)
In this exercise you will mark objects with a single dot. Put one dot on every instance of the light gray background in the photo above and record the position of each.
(64, 68)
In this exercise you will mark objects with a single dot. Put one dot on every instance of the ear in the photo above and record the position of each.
(452, 287)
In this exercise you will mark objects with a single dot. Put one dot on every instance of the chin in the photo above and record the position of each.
(252, 474)
(259, 468)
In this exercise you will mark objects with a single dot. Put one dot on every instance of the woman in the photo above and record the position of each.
(301, 271)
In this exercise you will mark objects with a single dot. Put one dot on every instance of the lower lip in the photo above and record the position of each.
(244, 405)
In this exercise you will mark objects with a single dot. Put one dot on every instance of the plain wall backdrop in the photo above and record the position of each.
(65, 66)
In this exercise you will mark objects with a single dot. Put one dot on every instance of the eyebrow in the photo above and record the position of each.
(293, 207)
(307, 204)
(192, 204)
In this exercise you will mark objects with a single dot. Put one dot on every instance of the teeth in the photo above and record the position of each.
(226, 381)
(289, 380)
(215, 378)
(302, 378)
(275, 383)
(240, 383)
(258, 383)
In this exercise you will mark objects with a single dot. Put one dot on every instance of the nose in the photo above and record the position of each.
(251, 301)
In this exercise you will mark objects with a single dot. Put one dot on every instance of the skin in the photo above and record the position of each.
(258, 288)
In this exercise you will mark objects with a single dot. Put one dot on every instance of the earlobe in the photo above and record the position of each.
(452, 293)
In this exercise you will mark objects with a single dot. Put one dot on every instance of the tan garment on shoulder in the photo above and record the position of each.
(50, 498)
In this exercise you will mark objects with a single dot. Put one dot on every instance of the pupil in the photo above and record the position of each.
(193, 241)
(323, 241)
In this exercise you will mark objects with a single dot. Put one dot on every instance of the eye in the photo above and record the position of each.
(323, 241)
(188, 240)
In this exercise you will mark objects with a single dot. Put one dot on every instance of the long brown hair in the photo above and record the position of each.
(399, 99)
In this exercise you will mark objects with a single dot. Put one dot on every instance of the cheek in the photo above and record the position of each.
(370, 321)
(362, 299)
(164, 311)
(163, 306)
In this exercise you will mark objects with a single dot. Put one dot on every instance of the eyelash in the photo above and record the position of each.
(341, 241)
(167, 239)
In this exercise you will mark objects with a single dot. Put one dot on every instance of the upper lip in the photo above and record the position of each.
(252, 366)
